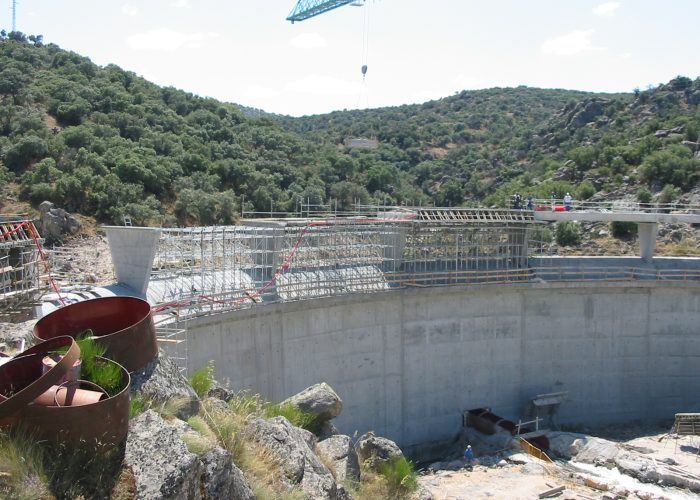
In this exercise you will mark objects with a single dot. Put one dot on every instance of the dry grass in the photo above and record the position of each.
(687, 247)
(22, 474)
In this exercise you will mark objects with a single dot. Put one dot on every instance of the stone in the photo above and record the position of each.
(161, 381)
(533, 469)
(596, 451)
(220, 392)
(300, 464)
(562, 444)
(319, 400)
(221, 478)
(372, 451)
(159, 460)
(502, 463)
(327, 430)
(54, 223)
(341, 451)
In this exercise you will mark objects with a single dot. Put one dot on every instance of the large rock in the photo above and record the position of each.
(565, 444)
(596, 451)
(54, 223)
(221, 478)
(300, 464)
(161, 381)
(341, 451)
(159, 460)
(319, 400)
(372, 451)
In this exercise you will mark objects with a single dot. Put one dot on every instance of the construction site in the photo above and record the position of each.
(416, 316)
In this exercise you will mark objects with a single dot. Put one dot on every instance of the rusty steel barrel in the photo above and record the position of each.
(122, 324)
(22, 380)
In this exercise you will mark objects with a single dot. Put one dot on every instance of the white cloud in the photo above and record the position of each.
(183, 4)
(570, 44)
(167, 39)
(308, 41)
(130, 10)
(323, 85)
(607, 9)
(255, 91)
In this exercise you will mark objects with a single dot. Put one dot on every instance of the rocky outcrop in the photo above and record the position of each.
(341, 451)
(294, 447)
(221, 478)
(319, 400)
(585, 112)
(161, 381)
(161, 465)
(54, 223)
(373, 451)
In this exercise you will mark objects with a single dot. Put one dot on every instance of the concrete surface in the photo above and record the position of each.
(407, 363)
(133, 250)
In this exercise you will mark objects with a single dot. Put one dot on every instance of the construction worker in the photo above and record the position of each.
(469, 457)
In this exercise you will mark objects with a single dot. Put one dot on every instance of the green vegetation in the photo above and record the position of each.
(106, 374)
(106, 143)
(202, 380)
(296, 416)
(568, 233)
(22, 473)
(622, 229)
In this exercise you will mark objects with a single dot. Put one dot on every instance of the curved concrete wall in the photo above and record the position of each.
(406, 363)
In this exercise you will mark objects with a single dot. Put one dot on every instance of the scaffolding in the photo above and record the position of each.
(20, 270)
(201, 270)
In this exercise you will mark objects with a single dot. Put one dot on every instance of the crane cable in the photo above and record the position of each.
(364, 55)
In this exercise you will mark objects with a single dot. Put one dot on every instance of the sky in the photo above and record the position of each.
(245, 52)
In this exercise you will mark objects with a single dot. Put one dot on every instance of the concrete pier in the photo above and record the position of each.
(407, 362)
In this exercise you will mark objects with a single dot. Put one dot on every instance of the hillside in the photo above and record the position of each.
(106, 143)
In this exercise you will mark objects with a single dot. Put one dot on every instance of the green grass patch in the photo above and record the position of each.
(203, 380)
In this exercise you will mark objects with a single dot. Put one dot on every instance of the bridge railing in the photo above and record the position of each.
(619, 206)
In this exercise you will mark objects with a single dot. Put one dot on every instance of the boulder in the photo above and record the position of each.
(300, 464)
(341, 451)
(562, 443)
(161, 381)
(596, 451)
(319, 400)
(54, 223)
(372, 451)
(161, 465)
(221, 478)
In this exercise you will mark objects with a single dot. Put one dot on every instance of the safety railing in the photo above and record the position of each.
(318, 287)
(614, 206)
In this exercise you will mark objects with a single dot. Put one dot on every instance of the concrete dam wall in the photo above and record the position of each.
(407, 362)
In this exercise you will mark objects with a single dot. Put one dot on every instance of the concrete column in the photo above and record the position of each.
(133, 250)
(647, 239)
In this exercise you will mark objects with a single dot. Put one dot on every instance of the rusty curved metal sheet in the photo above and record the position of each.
(123, 324)
(104, 423)
(19, 385)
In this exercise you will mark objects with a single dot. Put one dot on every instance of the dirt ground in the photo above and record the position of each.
(527, 481)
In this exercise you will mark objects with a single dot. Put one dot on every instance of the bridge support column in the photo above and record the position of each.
(647, 239)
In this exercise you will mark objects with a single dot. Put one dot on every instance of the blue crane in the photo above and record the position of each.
(305, 9)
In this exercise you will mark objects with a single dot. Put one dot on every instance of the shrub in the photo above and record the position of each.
(568, 233)
(22, 474)
(669, 194)
(202, 380)
(621, 229)
(644, 195)
(585, 190)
